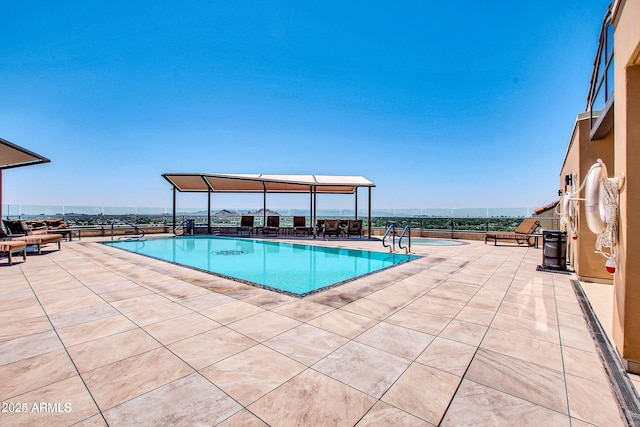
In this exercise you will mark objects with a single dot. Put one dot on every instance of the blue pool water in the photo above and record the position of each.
(293, 268)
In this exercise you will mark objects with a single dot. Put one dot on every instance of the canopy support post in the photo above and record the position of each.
(209, 212)
(315, 212)
(356, 193)
(173, 225)
(369, 217)
(264, 205)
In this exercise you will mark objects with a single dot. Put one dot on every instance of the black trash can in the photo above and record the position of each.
(189, 226)
(554, 249)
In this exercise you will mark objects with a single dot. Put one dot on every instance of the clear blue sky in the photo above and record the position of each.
(441, 104)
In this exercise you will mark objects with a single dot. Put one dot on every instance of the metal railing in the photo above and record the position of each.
(134, 226)
(391, 230)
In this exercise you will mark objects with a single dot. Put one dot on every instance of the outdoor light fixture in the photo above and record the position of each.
(568, 180)
(560, 193)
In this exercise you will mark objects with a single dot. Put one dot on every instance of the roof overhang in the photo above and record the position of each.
(13, 156)
(260, 183)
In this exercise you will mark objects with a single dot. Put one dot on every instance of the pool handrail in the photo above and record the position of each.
(404, 231)
(175, 229)
(390, 228)
(135, 227)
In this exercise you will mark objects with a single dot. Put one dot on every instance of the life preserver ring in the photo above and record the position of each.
(594, 195)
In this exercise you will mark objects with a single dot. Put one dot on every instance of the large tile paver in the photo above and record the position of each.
(113, 348)
(343, 323)
(312, 399)
(364, 368)
(529, 349)
(592, 402)
(306, 344)
(191, 400)
(178, 328)
(384, 415)
(263, 326)
(396, 340)
(542, 386)
(423, 391)
(447, 355)
(251, 374)
(477, 405)
(28, 374)
(210, 347)
(28, 346)
(66, 402)
(118, 382)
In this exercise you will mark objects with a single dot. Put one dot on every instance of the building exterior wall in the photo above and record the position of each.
(626, 312)
(582, 154)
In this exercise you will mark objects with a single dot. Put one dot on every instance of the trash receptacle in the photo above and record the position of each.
(189, 226)
(554, 249)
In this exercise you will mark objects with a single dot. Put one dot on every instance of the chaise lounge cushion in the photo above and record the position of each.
(11, 246)
(40, 239)
(37, 238)
(521, 234)
(55, 224)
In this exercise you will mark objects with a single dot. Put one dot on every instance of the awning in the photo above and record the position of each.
(259, 183)
(13, 156)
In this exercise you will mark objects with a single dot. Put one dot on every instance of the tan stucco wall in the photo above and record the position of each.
(626, 310)
(582, 153)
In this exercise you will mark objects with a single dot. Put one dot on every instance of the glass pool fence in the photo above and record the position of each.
(455, 219)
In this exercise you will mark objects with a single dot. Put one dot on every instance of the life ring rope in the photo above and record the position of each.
(608, 238)
(601, 210)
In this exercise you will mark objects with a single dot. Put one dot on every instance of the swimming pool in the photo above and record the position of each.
(291, 268)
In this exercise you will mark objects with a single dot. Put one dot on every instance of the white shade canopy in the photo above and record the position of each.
(259, 183)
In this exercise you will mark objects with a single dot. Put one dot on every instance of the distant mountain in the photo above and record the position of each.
(261, 212)
(225, 212)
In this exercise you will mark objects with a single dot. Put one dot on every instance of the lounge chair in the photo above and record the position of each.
(300, 226)
(331, 226)
(521, 235)
(11, 247)
(246, 225)
(273, 226)
(354, 227)
(20, 231)
(320, 227)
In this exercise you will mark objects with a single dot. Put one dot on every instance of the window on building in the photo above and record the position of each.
(600, 100)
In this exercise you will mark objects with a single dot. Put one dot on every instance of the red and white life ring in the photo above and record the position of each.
(594, 196)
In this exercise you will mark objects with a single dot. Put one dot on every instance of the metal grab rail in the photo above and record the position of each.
(178, 226)
(188, 227)
(391, 228)
(404, 231)
(135, 227)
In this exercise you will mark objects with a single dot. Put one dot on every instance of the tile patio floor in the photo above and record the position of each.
(465, 335)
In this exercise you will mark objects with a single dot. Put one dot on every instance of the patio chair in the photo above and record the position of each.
(319, 227)
(354, 227)
(246, 225)
(300, 226)
(521, 235)
(17, 227)
(331, 226)
(20, 231)
(273, 226)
